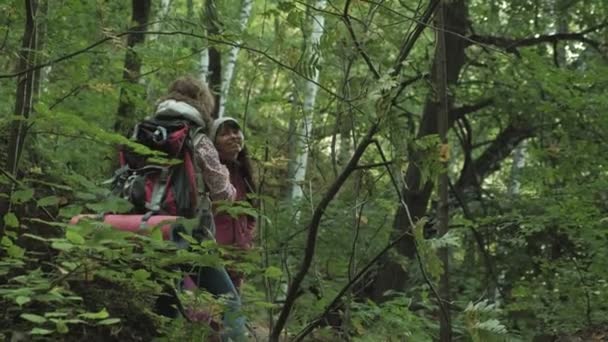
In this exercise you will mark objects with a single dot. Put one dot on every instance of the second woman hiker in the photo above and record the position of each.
(238, 231)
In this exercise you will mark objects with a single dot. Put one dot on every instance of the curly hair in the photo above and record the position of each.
(195, 93)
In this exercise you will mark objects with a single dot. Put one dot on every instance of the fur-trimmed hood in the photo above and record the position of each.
(179, 109)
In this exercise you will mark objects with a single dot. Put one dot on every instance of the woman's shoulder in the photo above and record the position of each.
(204, 143)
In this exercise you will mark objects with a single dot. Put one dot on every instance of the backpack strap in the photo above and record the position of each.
(118, 174)
(196, 134)
(143, 225)
(159, 191)
(135, 132)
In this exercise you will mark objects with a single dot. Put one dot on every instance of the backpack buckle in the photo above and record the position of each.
(143, 225)
(160, 134)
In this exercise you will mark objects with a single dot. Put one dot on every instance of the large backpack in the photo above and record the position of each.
(170, 184)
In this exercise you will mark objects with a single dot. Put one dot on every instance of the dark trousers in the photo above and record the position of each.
(217, 282)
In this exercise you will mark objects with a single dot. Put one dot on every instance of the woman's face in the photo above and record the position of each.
(228, 142)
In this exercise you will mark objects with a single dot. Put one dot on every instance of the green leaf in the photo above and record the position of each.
(10, 220)
(22, 196)
(157, 234)
(15, 251)
(141, 275)
(285, 6)
(74, 321)
(86, 196)
(70, 211)
(492, 325)
(61, 327)
(273, 272)
(74, 237)
(20, 300)
(188, 238)
(40, 331)
(48, 201)
(109, 321)
(111, 205)
(450, 239)
(6, 241)
(70, 265)
(33, 318)
(103, 314)
(62, 246)
(56, 314)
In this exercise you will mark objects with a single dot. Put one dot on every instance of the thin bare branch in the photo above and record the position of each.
(15, 181)
(511, 44)
(459, 112)
(409, 41)
(313, 228)
(349, 26)
(335, 303)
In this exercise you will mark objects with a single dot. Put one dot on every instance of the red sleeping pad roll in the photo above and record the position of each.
(133, 223)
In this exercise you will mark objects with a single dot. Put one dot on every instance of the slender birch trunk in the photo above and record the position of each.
(158, 24)
(211, 59)
(232, 56)
(519, 161)
(161, 15)
(302, 144)
(42, 75)
(204, 65)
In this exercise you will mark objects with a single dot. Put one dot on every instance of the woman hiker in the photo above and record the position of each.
(237, 231)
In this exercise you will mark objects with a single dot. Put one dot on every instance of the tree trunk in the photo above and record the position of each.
(489, 160)
(161, 15)
(560, 10)
(445, 325)
(232, 56)
(41, 75)
(131, 74)
(204, 55)
(416, 194)
(519, 161)
(302, 143)
(204, 65)
(213, 59)
(189, 9)
(27, 85)
(157, 26)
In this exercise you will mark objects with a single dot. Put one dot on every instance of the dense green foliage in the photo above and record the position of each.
(528, 213)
